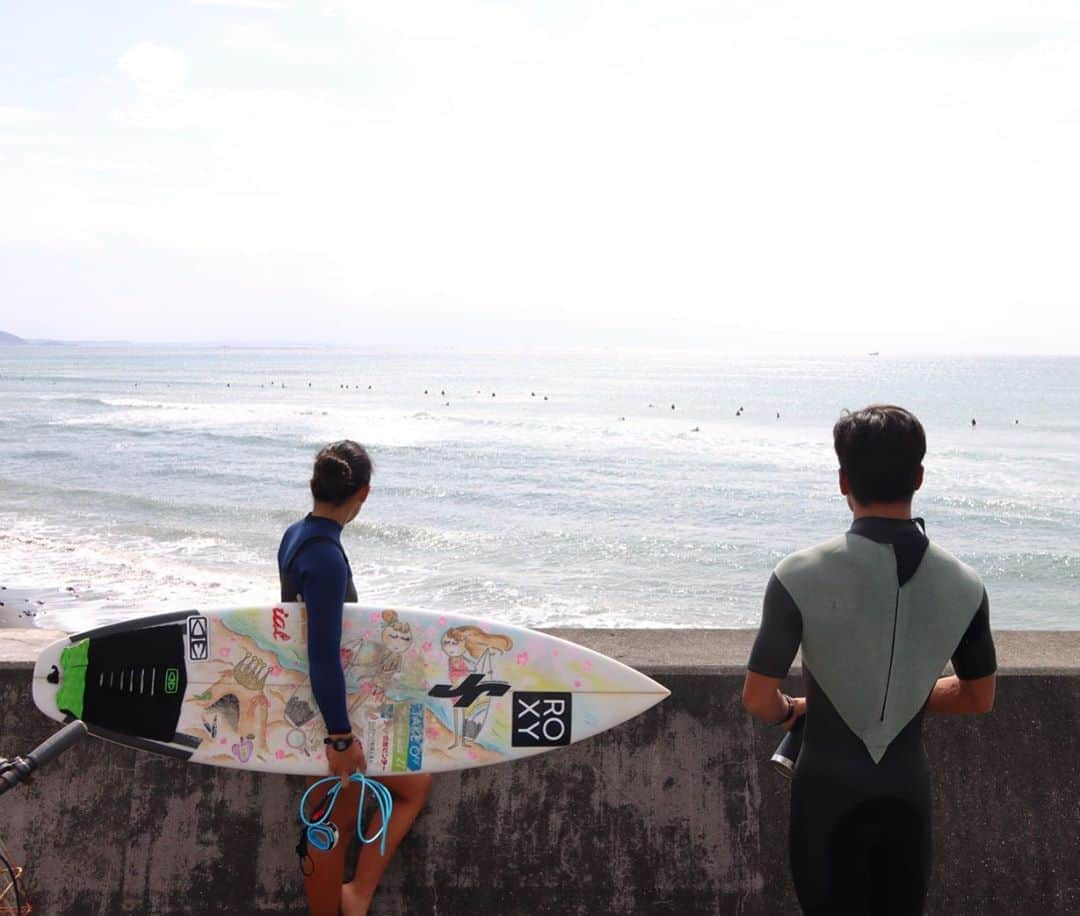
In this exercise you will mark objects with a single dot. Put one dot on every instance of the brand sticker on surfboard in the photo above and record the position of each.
(541, 719)
(198, 630)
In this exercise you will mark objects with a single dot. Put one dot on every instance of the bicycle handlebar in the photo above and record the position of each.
(19, 768)
(57, 743)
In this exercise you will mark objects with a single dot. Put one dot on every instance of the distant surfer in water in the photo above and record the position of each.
(313, 568)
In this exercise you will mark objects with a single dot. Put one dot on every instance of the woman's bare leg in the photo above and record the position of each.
(324, 871)
(410, 793)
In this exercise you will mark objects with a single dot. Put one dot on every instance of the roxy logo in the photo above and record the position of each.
(281, 618)
(541, 719)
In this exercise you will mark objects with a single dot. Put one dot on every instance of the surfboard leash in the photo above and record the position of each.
(321, 832)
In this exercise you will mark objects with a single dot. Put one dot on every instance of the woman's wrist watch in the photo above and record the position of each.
(339, 743)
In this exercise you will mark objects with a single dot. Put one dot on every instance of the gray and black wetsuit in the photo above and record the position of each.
(878, 611)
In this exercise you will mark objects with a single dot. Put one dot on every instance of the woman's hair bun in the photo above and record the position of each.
(341, 468)
(332, 466)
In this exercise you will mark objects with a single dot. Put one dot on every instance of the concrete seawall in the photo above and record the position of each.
(675, 812)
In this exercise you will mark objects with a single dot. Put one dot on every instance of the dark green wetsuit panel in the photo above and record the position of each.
(877, 611)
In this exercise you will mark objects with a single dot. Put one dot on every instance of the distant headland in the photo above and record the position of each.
(9, 339)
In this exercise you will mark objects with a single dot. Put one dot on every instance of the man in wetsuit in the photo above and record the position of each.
(878, 611)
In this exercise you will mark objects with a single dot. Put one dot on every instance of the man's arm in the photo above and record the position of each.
(971, 689)
(761, 697)
(952, 696)
(774, 649)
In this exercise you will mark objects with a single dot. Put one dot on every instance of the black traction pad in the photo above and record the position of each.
(135, 681)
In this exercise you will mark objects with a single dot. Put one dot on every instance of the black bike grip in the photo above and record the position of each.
(55, 744)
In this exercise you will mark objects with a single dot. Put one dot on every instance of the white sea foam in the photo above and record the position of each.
(130, 574)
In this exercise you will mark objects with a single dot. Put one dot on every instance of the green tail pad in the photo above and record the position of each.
(73, 662)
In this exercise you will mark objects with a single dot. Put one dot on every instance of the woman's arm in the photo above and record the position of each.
(323, 579)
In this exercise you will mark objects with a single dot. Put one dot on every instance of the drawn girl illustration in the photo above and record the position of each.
(381, 666)
(396, 639)
(469, 650)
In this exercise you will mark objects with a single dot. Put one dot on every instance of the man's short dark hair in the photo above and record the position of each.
(881, 449)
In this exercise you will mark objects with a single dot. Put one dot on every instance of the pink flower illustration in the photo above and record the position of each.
(577, 683)
(280, 755)
(523, 658)
(587, 664)
(375, 617)
(473, 755)
(442, 621)
(427, 646)
(226, 652)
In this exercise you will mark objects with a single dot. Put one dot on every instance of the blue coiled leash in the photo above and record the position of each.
(321, 832)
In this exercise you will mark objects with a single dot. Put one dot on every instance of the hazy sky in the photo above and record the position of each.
(735, 174)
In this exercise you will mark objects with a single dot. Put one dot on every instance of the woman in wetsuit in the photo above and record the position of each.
(313, 567)
(877, 611)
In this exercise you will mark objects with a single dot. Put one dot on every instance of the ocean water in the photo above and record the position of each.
(540, 489)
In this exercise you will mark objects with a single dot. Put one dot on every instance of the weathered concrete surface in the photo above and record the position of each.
(674, 812)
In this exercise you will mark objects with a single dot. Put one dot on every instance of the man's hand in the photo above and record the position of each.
(800, 710)
(762, 698)
(345, 763)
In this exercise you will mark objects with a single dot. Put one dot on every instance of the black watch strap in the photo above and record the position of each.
(339, 744)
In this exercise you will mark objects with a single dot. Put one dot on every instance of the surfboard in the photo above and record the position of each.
(427, 691)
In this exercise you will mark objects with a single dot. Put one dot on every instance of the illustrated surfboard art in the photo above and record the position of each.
(427, 692)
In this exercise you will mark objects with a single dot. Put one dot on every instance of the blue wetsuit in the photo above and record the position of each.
(312, 564)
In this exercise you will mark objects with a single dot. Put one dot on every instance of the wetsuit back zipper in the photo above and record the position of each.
(892, 653)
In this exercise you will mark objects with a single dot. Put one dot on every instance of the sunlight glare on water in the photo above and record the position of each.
(540, 489)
